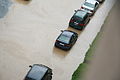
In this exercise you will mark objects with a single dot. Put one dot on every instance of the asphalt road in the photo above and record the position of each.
(106, 62)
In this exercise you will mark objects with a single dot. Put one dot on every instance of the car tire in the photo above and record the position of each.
(82, 28)
(102, 1)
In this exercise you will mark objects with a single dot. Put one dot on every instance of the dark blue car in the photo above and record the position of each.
(79, 20)
(66, 40)
(39, 72)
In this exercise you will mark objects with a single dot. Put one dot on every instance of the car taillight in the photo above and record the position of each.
(81, 24)
(71, 20)
(56, 41)
(82, 7)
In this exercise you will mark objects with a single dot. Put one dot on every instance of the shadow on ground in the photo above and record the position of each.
(23, 1)
(75, 30)
(60, 53)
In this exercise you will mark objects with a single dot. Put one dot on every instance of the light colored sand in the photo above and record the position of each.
(28, 33)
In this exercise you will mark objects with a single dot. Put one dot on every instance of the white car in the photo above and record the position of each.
(90, 6)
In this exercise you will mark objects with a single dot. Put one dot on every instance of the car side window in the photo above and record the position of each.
(85, 17)
(45, 76)
(74, 36)
(72, 39)
(96, 4)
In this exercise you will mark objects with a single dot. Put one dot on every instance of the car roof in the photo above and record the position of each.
(65, 36)
(91, 1)
(80, 13)
(67, 33)
(37, 72)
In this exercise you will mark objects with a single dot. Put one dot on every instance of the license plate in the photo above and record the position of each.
(75, 23)
(62, 44)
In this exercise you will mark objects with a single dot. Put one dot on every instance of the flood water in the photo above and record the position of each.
(28, 33)
(4, 7)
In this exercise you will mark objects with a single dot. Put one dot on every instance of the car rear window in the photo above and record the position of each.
(37, 72)
(77, 19)
(89, 4)
(80, 15)
(64, 39)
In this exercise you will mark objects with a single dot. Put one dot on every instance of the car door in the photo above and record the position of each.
(86, 19)
(48, 75)
(74, 37)
(71, 40)
(96, 6)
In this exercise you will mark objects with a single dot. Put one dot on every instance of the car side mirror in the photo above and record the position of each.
(75, 10)
(61, 30)
(30, 66)
(97, 2)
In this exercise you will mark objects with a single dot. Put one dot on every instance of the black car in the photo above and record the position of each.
(39, 72)
(66, 39)
(79, 20)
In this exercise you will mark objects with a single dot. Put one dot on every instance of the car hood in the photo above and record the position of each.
(88, 7)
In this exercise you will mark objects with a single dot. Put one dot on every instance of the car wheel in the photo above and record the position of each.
(102, 1)
(89, 20)
(50, 77)
(82, 28)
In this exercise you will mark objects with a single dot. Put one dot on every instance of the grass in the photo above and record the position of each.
(79, 73)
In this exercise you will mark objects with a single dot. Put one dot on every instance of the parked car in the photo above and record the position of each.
(79, 20)
(66, 39)
(100, 1)
(90, 6)
(39, 72)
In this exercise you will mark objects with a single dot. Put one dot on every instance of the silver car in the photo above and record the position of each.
(90, 6)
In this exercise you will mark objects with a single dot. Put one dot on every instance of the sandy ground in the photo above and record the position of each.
(106, 63)
(28, 33)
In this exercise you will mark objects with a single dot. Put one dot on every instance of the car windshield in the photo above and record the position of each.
(80, 15)
(76, 18)
(64, 39)
(89, 4)
(37, 72)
